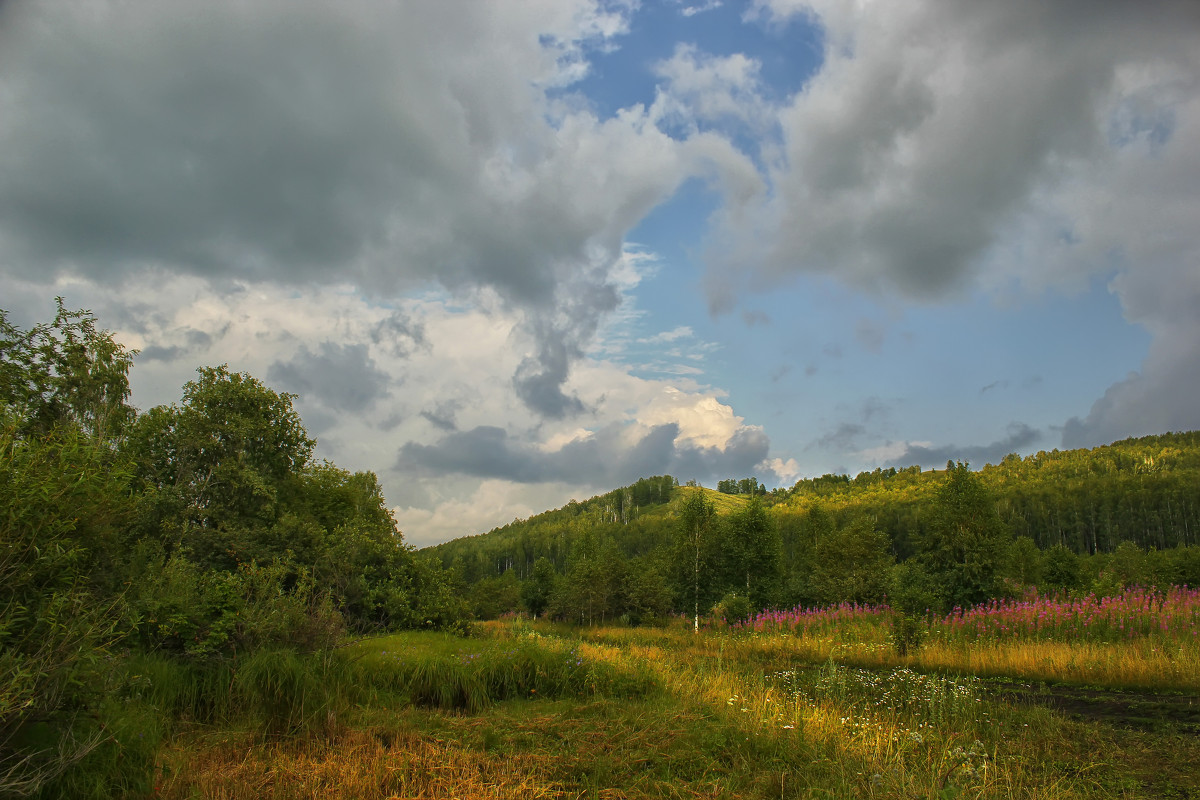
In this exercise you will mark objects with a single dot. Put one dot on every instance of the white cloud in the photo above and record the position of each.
(698, 87)
(382, 384)
(788, 470)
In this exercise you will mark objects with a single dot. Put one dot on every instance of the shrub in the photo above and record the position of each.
(734, 608)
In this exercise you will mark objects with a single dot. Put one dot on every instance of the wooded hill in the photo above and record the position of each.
(1073, 508)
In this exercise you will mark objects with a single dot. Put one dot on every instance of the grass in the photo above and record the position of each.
(543, 711)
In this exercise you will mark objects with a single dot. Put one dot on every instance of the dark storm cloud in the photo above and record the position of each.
(195, 340)
(156, 352)
(1020, 437)
(1049, 142)
(399, 334)
(604, 458)
(341, 377)
(932, 124)
(380, 144)
(1161, 397)
(443, 416)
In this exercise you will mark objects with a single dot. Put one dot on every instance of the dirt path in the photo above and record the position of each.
(1130, 709)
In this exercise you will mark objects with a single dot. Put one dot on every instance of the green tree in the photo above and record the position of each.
(1024, 562)
(212, 467)
(646, 591)
(852, 564)
(64, 499)
(539, 588)
(66, 371)
(695, 535)
(1061, 569)
(965, 539)
(753, 553)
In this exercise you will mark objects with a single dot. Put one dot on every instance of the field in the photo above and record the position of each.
(1091, 698)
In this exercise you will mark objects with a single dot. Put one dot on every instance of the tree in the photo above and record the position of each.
(1061, 569)
(851, 564)
(213, 466)
(964, 542)
(695, 532)
(64, 498)
(1024, 561)
(538, 589)
(646, 591)
(753, 552)
(590, 591)
(65, 371)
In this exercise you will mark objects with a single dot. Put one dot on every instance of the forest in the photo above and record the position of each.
(1063, 521)
(193, 567)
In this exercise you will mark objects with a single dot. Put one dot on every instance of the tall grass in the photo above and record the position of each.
(722, 714)
(442, 671)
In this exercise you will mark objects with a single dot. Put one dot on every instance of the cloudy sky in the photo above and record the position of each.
(510, 253)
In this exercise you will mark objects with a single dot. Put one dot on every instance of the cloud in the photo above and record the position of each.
(673, 335)
(611, 456)
(1161, 396)
(870, 334)
(1020, 437)
(390, 145)
(400, 334)
(456, 418)
(700, 88)
(691, 11)
(946, 147)
(843, 437)
(932, 125)
(342, 377)
(442, 417)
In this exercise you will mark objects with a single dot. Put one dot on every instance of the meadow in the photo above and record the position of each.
(1039, 698)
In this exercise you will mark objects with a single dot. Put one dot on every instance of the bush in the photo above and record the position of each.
(907, 633)
(180, 608)
(1061, 570)
(734, 608)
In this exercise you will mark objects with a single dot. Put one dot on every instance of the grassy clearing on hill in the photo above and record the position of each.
(532, 710)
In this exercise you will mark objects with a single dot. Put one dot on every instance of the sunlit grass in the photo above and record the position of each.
(830, 711)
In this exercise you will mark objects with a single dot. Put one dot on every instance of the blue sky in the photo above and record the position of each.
(509, 254)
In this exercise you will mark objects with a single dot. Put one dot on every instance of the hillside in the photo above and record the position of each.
(1144, 491)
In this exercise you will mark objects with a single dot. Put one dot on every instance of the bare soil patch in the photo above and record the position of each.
(1128, 709)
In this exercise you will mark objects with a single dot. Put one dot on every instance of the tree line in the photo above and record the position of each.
(1059, 521)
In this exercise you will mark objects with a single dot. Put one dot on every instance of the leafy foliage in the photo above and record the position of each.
(200, 532)
(964, 541)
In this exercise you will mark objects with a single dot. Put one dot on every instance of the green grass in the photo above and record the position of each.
(443, 671)
(543, 711)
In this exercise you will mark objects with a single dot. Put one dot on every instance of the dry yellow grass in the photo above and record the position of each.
(1123, 664)
(360, 764)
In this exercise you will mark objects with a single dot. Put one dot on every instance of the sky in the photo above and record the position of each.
(507, 254)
